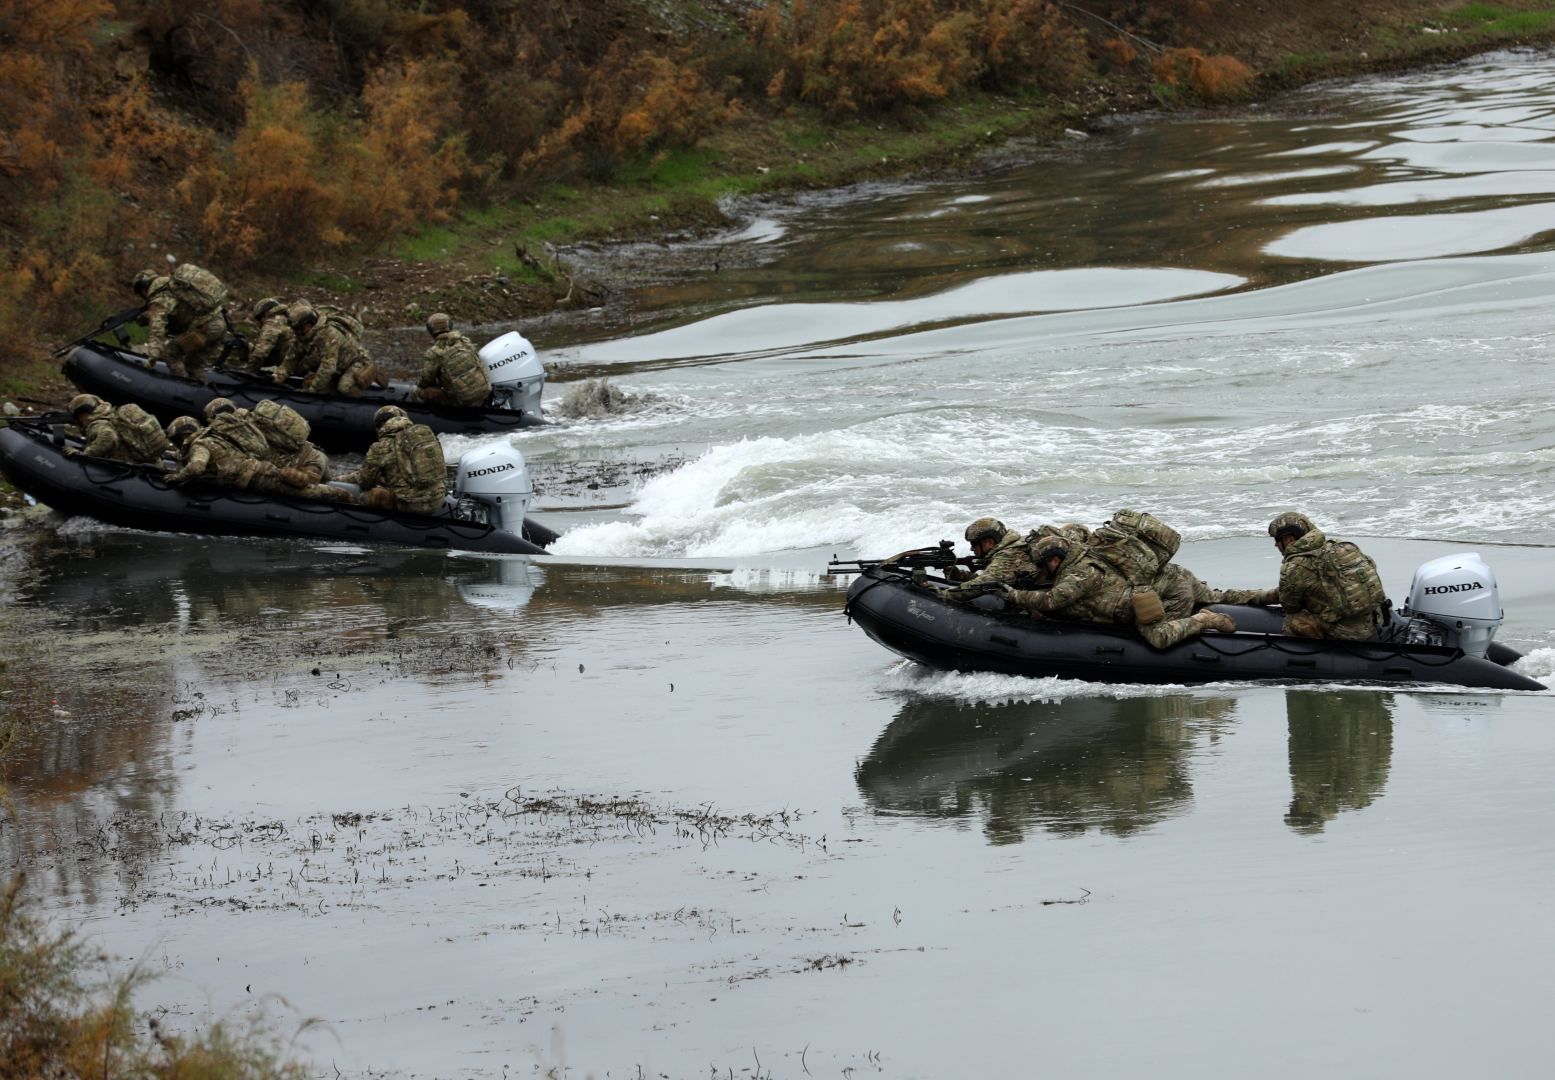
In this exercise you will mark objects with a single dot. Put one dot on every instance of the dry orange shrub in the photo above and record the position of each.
(1210, 78)
(856, 56)
(633, 100)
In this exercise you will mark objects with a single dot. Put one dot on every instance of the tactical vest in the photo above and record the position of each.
(197, 288)
(241, 432)
(1136, 544)
(282, 426)
(139, 430)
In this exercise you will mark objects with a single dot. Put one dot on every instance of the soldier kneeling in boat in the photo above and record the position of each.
(404, 468)
(186, 324)
(1000, 550)
(1328, 588)
(1088, 589)
(126, 433)
(452, 372)
(329, 352)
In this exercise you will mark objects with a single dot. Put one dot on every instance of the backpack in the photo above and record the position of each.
(196, 288)
(241, 432)
(281, 425)
(140, 431)
(1354, 586)
(1136, 544)
(345, 322)
(421, 458)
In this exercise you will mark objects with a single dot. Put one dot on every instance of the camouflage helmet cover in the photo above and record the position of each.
(1050, 547)
(1297, 525)
(181, 427)
(984, 528)
(439, 323)
(301, 314)
(265, 307)
(387, 413)
(216, 406)
(84, 403)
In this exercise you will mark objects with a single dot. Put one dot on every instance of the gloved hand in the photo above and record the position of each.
(277, 375)
(294, 477)
(73, 451)
(178, 477)
(920, 575)
(379, 498)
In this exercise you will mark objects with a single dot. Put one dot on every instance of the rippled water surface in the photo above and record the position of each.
(652, 804)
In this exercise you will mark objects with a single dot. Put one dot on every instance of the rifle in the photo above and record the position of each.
(112, 322)
(938, 557)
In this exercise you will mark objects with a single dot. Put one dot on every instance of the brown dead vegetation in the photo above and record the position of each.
(262, 135)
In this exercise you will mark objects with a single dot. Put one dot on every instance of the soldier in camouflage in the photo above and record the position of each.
(329, 352)
(274, 343)
(207, 454)
(294, 465)
(452, 372)
(1088, 589)
(404, 468)
(186, 325)
(127, 433)
(1001, 551)
(1328, 588)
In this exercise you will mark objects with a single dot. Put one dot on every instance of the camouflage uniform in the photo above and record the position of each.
(275, 347)
(127, 433)
(333, 351)
(1008, 560)
(1087, 589)
(182, 332)
(452, 373)
(1328, 588)
(210, 455)
(293, 465)
(407, 460)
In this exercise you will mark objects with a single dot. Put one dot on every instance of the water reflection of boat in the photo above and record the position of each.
(338, 422)
(1341, 747)
(138, 497)
(1114, 765)
(920, 625)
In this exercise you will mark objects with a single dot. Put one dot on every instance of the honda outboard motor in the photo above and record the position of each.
(493, 486)
(1454, 601)
(517, 376)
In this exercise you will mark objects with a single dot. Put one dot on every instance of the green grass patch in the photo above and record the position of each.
(1475, 14)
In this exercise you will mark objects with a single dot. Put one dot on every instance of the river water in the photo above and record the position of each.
(652, 807)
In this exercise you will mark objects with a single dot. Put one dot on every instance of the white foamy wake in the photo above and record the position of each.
(1538, 664)
(985, 688)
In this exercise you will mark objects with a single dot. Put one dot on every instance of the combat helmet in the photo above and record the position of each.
(217, 406)
(984, 528)
(1049, 547)
(1290, 524)
(387, 413)
(84, 403)
(181, 428)
(141, 282)
(263, 309)
(301, 315)
(439, 323)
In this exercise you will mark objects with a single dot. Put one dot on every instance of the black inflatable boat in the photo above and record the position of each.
(32, 456)
(919, 624)
(339, 423)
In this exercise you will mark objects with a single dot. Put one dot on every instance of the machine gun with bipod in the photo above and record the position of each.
(939, 557)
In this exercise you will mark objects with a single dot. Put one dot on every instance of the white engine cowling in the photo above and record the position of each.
(517, 376)
(496, 477)
(1458, 593)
